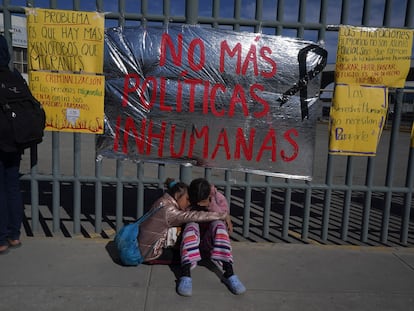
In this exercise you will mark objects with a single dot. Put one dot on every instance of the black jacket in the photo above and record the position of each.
(7, 143)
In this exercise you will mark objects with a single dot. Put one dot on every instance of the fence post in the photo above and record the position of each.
(186, 173)
(191, 11)
(396, 120)
(409, 183)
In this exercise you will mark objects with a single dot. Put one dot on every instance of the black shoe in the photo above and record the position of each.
(4, 249)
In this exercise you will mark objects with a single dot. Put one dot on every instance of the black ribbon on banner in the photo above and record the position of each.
(305, 76)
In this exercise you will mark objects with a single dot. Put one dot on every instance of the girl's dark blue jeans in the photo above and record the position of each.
(11, 202)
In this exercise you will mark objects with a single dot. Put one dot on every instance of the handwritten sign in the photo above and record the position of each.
(60, 44)
(357, 124)
(73, 102)
(62, 40)
(375, 56)
(212, 98)
(368, 61)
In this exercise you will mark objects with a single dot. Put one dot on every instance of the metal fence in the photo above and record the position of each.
(351, 200)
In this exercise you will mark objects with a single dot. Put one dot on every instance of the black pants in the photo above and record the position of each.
(169, 256)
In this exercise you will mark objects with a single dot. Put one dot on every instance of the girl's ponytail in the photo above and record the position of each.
(173, 187)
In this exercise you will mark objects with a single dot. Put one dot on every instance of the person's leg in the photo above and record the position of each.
(190, 252)
(190, 255)
(4, 215)
(221, 251)
(14, 198)
(217, 241)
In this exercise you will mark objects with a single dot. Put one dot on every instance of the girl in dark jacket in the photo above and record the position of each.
(11, 203)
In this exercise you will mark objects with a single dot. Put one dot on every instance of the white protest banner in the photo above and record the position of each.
(213, 98)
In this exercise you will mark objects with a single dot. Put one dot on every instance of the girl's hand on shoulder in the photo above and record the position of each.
(213, 190)
(223, 215)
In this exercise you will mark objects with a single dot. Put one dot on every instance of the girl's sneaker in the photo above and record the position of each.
(185, 286)
(234, 284)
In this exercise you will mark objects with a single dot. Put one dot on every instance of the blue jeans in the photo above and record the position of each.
(11, 202)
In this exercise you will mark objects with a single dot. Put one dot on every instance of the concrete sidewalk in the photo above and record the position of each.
(82, 274)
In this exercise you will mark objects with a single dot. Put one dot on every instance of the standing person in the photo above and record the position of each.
(209, 240)
(175, 212)
(11, 202)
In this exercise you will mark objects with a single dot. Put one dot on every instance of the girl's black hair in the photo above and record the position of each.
(199, 190)
(174, 187)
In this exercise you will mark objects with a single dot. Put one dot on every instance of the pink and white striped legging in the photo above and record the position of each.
(215, 243)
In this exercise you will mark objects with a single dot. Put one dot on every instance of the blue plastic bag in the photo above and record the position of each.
(126, 241)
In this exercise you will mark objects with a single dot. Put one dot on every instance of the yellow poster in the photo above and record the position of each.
(65, 60)
(368, 61)
(62, 40)
(73, 102)
(358, 116)
(375, 56)
(412, 136)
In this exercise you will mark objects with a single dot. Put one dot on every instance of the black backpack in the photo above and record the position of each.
(22, 118)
